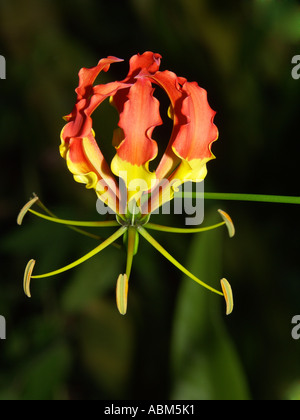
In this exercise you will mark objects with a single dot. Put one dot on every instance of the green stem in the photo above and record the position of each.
(262, 198)
(162, 228)
(89, 255)
(169, 257)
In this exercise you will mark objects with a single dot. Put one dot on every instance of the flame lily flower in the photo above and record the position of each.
(185, 158)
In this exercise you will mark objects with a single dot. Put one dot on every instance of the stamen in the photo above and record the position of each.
(168, 229)
(123, 280)
(227, 290)
(89, 255)
(229, 223)
(25, 209)
(27, 277)
(68, 223)
(122, 293)
(110, 223)
(169, 257)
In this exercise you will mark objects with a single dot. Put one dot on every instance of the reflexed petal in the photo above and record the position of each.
(86, 162)
(194, 140)
(189, 148)
(87, 77)
(80, 121)
(141, 64)
(172, 86)
(78, 145)
(146, 63)
(138, 120)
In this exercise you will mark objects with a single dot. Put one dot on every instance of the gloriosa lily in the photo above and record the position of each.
(185, 158)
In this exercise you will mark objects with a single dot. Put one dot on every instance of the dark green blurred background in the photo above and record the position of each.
(69, 342)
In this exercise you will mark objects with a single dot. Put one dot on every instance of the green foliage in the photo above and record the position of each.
(205, 363)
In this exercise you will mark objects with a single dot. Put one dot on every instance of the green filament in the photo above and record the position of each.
(169, 257)
(86, 257)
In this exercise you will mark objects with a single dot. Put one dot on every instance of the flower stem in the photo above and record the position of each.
(169, 257)
(262, 198)
(89, 255)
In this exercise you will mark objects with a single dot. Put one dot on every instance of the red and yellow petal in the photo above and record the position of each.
(139, 118)
(194, 140)
(88, 166)
(78, 145)
(194, 131)
(171, 84)
(200, 131)
(189, 148)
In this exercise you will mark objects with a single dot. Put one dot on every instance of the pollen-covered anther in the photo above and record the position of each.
(227, 291)
(26, 208)
(229, 223)
(27, 277)
(122, 293)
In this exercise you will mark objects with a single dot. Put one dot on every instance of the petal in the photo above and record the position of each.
(144, 64)
(87, 77)
(79, 147)
(80, 121)
(86, 162)
(147, 63)
(194, 140)
(200, 132)
(138, 120)
(172, 86)
(189, 148)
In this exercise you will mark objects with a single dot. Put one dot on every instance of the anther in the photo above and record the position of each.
(26, 208)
